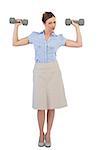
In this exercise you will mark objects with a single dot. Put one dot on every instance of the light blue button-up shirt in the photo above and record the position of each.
(45, 50)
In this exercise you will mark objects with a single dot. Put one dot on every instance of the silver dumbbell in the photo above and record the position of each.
(69, 21)
(13, 21)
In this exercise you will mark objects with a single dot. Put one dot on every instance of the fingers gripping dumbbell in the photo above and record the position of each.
(69, 22)
(13, 21)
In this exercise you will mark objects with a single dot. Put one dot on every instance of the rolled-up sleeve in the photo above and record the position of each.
(61, 40)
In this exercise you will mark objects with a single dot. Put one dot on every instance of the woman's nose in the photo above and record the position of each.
(53, 25)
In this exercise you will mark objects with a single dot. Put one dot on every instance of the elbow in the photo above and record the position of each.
(14, 44)
(80, 45)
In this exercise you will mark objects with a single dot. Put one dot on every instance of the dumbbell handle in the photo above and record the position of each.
(76, 21)
(69, 21)
(20, 20)
(23, 21)
(80, 21)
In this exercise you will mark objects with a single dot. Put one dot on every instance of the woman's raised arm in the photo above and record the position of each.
(78, 42)
(16, 41)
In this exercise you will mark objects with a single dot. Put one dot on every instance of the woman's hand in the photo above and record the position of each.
(19, 22)
(76, 25)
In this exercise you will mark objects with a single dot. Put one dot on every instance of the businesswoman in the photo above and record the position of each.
(48, 88)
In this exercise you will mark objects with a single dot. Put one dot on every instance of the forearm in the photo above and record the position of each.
(16, 40)
(15, 35)
(78, 35)
(78, 42)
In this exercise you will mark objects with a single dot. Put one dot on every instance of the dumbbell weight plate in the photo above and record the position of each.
(68, 21)
(81, 22)
(12, 20)
(25, 22)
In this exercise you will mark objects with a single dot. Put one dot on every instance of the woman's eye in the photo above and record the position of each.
(52, 22)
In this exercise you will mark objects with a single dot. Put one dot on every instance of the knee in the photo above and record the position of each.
(41, 110)
(51, 110)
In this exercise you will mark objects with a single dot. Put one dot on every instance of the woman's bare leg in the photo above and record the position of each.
(50, 118)
(41, 120)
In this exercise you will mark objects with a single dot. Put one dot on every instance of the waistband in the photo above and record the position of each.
(47, 65)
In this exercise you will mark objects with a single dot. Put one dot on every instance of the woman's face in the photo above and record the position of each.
(50, 24)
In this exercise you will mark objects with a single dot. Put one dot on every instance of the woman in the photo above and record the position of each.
(48, 88)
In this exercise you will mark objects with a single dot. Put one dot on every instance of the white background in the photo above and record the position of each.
(76, 126)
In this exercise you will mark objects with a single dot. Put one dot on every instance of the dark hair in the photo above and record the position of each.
(46, 16)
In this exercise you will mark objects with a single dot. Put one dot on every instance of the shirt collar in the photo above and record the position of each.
(53, 34)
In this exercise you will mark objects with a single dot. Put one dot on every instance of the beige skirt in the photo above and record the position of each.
(48, 88)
